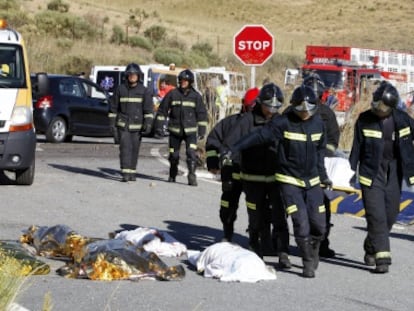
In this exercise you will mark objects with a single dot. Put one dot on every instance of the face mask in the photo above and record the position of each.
(305, 106)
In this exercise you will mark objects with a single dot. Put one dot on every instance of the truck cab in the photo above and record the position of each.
(17, 133)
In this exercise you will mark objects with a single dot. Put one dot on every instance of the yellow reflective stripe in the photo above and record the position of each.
(380, 255)
(405, 131)
(365, 181)
(251, 206)
(372, 133)
(111, 115)
(190, 129)
(176, 103)
(290, 180)
(121, 123)
(202, 123)
(330, 147)
(316, 136)
(294, 136)
(160, 117)
(189, 104)
(211, 153)
(149, 116)
(314, 181)
(128, 171)
(171, 150)
(174, 129)
(291, 209)
(236, 176)
(322, 208)
(131, 99)
(411, 179)
(135, 126)
(257, 178)
(225, 204)
(193, 146)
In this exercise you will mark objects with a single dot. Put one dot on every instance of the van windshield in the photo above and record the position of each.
(109, 80)
(12, 73)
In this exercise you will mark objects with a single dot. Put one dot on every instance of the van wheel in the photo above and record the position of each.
(26, 176)
(57, 131)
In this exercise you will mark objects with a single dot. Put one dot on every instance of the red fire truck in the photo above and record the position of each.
(351, 70)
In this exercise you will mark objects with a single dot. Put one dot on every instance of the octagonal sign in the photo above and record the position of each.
(253, 45)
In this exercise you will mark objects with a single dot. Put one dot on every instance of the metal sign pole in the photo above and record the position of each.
(252, 76)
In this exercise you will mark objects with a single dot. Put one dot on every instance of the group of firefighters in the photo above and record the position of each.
(277, 160)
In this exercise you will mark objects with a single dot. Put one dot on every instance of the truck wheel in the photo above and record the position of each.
(26, 176)
(57, 131)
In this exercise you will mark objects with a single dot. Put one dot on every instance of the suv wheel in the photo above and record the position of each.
(57, 131)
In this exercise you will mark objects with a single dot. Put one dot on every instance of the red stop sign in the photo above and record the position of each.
(253, 45)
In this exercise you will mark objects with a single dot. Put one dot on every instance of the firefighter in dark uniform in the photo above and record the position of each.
(187, 121)
(258, 167)
(382, 151)
(218, 141)
(301, 140)
(332, 140)
(133, 107)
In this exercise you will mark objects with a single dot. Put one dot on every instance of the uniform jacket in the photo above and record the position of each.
(133, 107)
(186, 112)
(368, 146)
(331, 126)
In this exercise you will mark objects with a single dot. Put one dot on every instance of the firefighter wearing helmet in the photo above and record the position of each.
(382, 152)
(299, 135)
(187, 121)
(133, 107)
(218, 141)
(258, 167)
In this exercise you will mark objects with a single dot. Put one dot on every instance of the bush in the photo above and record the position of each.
(137, 41)
(156, 34)
(73, 65)
(8, 5)
(168, 56)
(118, 35)
(58, 5)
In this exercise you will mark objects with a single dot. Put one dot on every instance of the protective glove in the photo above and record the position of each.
(227, 158)
(200, 137)
(328, 183)
(146, 130)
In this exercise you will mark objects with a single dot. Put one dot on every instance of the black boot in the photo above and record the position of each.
(325, 251)
(305, 247)
(282, 249)
(266, 241)
(132, 177)
(192, 178)
(315, 251)
(125, 177)
(228, 230)
(254, 244)
(173, 170)
(382, 265)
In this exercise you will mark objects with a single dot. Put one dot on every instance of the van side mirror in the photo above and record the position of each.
(42, 83)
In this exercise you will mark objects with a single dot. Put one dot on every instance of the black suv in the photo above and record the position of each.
(66, 108)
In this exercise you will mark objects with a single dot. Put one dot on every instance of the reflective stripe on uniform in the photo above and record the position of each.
(160, 117)
(131, 99)
(202, 123)
(380, 255)
(257, 178)
(405, 131)
(128, 171)
(322, 209)
(330, 147)
(193, 146)
(372, 133)
(171, 150)
(211, 153)
(174, 130)
(189, 104)
(365, 181)
(316, 136)
(236, 176)
(314, 181)
(411, 179)
(112, 115)
(190, 130)
(149, 116)
(294, 136)
(290, 180)
(251, 206)
(225, 204)
(291, 209)
(135, 126)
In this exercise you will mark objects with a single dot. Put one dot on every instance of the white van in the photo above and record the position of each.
(17, 133)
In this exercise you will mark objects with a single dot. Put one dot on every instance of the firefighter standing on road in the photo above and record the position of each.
(332, 140)
(301, 140)
(187, 118)
(382, 151)
(218, 141)
(258, 167)
(133, 107)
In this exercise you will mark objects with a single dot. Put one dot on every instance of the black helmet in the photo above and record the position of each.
(304, 100)
(386, 93)
(186, 75)
(133, 68)
(314, 81)
(271, 96)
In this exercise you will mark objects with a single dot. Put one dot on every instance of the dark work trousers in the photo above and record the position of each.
(129, 144)
(382, 204)
(264, 206)
(190, 145)
(307, 209)
(229, 203)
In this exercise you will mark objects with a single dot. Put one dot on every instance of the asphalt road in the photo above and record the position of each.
(78, 184)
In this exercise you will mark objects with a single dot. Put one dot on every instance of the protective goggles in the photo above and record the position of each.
(272, 104)
(305, 106)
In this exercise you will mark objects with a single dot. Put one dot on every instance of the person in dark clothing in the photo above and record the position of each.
(299, 135)
(217, 142)
(133, 109)
(258, 167)
(187, 121)
(382, 152)
(332, 141)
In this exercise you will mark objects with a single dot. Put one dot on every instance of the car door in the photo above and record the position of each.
(97, 121)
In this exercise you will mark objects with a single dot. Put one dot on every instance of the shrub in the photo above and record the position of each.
(58, 5)
(8, 5)
(118, 35)
(137, 41)
(156, 34)
(168, 56)
(73, 65)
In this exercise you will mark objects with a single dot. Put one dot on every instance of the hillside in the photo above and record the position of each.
(379, 24)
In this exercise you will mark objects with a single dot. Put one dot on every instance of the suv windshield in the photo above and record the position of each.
(12, 74)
